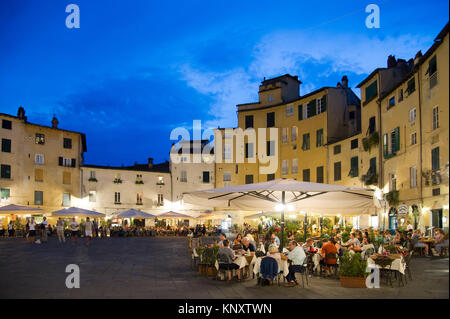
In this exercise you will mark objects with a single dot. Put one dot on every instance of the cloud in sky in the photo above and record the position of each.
(320, 59)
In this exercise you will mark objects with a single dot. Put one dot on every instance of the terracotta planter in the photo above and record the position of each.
(212, 271)
(202, 269)
(353, 282)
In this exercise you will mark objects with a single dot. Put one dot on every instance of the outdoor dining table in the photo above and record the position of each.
(242, 261)
(429, 242)
(282, 266)
(398, 262)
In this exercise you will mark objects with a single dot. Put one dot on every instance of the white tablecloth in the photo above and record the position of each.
(282, 266)
(398, 264)
(241, 261)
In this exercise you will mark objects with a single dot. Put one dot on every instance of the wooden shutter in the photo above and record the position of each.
(66, 178)
(397, 139)
(39, 175)
(300, 112)
(60, 161)
(312, 108)
(435, 165)
(385, 145)
(324, 103)
(74, 162)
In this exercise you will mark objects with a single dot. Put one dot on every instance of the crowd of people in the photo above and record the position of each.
(329, 249)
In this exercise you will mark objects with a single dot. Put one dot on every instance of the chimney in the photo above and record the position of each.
(21, 114)
(338, 85)
(150, 162)
(391, 62)
(417, 57)
(344, 81)
(55, 122)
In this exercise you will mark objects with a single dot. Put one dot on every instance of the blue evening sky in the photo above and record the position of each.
(137, 69)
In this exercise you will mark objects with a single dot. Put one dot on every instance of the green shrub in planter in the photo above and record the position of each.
(351, 265)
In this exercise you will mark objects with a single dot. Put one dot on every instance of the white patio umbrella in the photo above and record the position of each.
(75, 211)
(172, 214)
(13, 209)
(132, 213)
(288, 195)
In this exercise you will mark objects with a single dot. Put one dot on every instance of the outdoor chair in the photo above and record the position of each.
(271, 263)
(408, 268)
(367, 253)
(195, 245)
(385, 263)
(330, 265)
(304, 275)
(223, 259)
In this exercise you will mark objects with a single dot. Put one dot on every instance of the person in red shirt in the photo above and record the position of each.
(329, 255)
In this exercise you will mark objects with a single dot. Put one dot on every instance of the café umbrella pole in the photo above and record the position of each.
(305, 225)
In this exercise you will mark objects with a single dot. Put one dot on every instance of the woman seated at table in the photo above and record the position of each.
(388, 237)
(225, 257)
(238, 240)
(416, 237)
(366, 247)
(441, 241)
(267, 270)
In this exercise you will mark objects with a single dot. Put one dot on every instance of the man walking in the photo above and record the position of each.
(60, 230)
(74, 227)
(44, 230)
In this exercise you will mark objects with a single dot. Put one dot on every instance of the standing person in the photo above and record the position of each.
(74, 227)
(10, 229)
(32, 233)
(44, 230)
(95, 227)
(88, 228)
(60, 230)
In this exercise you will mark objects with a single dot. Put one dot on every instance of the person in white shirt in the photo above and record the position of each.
(74, 227)
(409, 227)
(44, 229)
(88, 227)
(32, 233)
(60, 230)
(297, 256)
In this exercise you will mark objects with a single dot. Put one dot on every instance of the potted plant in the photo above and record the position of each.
(201, 266)
(352, 270)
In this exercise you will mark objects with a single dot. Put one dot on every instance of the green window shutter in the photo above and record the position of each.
(324, 103)
(397, 139)
(312, 108)
(300, 112)
(371, 91)
(354, 166)
(385, 145)
(373, 165)
(435, 164)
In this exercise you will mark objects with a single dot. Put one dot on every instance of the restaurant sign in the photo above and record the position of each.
(403, 210)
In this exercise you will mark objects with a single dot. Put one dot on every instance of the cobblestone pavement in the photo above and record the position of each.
(160, 268)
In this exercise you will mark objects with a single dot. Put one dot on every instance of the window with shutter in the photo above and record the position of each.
(306, 175)
(312, 108)
(248, 179)
(411, 86)
(300, 112)
(371, 91)
(337, 149)
(319, 137)
(248, 121)
(60, 161)
(319, 173)
(67, 143)
(397, 139)
(5, 193)
(372, 125)
(6, 145)
(5, 171)
(66, 200)
(373, 165)
(271, 119)
(385, 145)
(38, 175)
(354, 172)
(270, 177)
(74, 162)
(7, 125)
(38, 198)
(205, 177)
(435, 163)
(305, 145)
(337, 171)
(66, 178)
(294, 166)
(432, 66)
